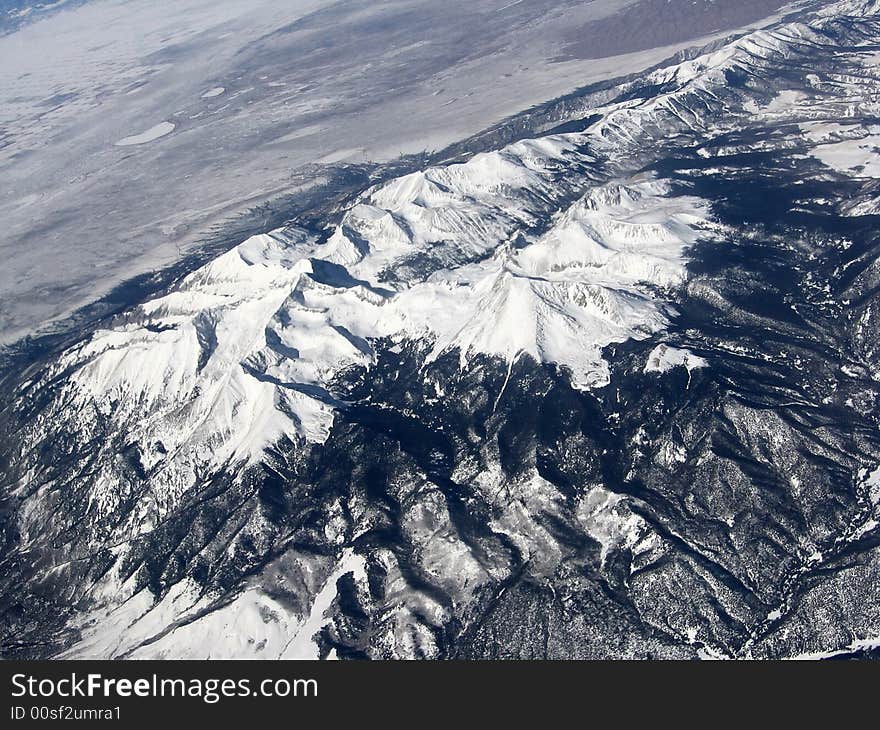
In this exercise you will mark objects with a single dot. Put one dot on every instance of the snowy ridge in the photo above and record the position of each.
(539, 248)
(246, 349)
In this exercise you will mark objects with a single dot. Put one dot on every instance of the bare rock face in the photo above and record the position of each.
(609, 390)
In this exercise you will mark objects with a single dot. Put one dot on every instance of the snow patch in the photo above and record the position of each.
(607, 518)
(303, 645)
(870, 644)
(664, 358)
(185, 625)
(857, 156)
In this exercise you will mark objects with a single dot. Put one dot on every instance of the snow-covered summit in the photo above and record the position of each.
(549, 247)
(245, 350)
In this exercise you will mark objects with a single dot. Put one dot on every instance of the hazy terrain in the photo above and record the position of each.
(129, 128)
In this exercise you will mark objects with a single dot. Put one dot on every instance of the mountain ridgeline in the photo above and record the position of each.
(605, 392)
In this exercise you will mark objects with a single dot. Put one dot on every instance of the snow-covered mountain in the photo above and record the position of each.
(615, 380)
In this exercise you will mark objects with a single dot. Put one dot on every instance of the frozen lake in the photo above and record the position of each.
(153, 133)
